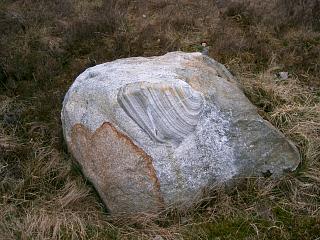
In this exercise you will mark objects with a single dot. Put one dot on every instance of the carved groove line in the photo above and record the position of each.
(166, 112)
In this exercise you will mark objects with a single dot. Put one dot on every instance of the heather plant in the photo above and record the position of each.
(44, 45)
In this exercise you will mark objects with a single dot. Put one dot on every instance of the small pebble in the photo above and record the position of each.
(158, 237)
(10, 118)
(283, 75)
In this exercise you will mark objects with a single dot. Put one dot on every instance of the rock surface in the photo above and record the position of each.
(154, 132)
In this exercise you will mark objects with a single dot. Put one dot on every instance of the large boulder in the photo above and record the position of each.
(154, 132)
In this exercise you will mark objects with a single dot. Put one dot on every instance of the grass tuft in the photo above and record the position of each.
(44, 45)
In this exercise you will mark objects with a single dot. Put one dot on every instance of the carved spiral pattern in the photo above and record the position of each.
(167, 112)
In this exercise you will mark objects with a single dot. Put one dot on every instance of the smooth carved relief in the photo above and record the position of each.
(167, 112)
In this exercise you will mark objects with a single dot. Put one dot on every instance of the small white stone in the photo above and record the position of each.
(158, 237)
(283, 75)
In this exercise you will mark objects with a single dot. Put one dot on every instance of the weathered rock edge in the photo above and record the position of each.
(110, 177)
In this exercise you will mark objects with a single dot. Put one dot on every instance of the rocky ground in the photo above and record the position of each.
(44, 45)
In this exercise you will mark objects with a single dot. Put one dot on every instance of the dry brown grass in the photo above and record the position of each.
(44, 45)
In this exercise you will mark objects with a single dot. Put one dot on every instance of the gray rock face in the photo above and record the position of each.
(154, 132)
(167, 112)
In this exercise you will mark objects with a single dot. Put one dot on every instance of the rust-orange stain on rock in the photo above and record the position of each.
(196, 80)
(148, 160)
(116, 165)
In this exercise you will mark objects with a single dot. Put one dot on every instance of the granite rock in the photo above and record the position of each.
(155, 132)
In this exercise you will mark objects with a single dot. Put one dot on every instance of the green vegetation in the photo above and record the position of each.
(44, 45)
